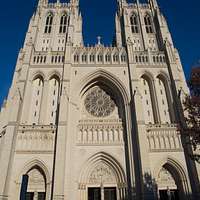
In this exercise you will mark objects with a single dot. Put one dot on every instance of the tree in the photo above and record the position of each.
(192, 113)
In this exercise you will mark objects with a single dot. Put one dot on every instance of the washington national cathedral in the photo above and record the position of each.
(96, 122)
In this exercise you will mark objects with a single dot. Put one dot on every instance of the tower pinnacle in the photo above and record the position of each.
(74, 2)
(153, 3)
(42, 2)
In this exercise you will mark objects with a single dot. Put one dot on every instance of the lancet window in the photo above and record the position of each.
(63, 23)
(49, 23)
(134, 23)
(37, 90)
(52, 102)
(148, 100)
(148, 23)
(163, 100)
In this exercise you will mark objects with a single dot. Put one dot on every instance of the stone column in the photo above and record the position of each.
(35, 197)
(59, 177)
(102, 192)
(146, 182)
(8, 151)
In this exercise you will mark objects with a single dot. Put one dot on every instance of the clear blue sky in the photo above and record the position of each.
(183, 17)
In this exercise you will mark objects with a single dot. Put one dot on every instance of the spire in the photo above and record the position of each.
(74, 2)
(121, 1)
(121, 4)
(153, 3)
(42, 2)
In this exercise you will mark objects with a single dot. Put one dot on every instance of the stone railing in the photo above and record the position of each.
(58, 5)
(163, 137)
(135, 6)
(149, 58)
(99, 55)
(35, 138)
(100, 132)
(47, 58)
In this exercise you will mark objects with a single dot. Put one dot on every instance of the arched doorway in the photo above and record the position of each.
(171, 183)
(36, 188)
(102, 179)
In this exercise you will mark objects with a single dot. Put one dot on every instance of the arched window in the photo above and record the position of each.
(123, 57)
(148, 100)
(63, 23)
(49, 22)
(163, 100)
(100, 57)
(148, 24)
(76, 58)
(84, 58)
(134, 23)
(92, 58)
(108, 57)
(52, 103)
(116, 57)
(36, 100)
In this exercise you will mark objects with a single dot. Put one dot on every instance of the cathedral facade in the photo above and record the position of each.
(96, 122)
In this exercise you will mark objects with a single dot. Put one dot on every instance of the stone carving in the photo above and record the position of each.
(163, 138)
(165, 179)
(98, 103)
(102, 174)
(35, 138)
(36, 181)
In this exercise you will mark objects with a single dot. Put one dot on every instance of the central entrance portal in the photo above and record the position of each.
(108, 193)
(102, 179)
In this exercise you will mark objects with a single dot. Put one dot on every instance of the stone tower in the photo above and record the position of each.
(96, 123)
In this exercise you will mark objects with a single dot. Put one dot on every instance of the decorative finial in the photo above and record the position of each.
(99, 40)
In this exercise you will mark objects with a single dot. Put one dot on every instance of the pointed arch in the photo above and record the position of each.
(55, 74)
(108, 57)
(30, 164)
(37, 173)
(48, 23)
(134, 23)
(37, 74)
(175, 168)
(148, 21)
(149, 98)
(105, 77)
(63, 23)
(116, 89)
(98, 159)
(123, 57)
(52, 99)
(165, 100)
(36, 98)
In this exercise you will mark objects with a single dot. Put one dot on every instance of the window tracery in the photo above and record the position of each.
(98, 103)
(63, 23)
(49, 22)
(134, 23)
(148, 23)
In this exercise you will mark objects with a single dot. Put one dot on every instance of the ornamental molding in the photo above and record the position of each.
(102, 174)
(33, 128)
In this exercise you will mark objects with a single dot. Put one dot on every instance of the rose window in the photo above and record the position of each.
(98, 103)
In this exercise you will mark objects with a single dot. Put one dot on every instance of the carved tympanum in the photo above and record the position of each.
(102, 174)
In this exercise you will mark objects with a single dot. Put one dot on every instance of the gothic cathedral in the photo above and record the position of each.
(96, 122)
